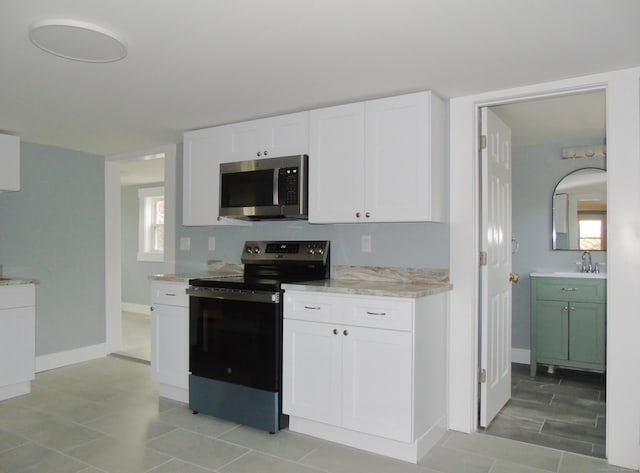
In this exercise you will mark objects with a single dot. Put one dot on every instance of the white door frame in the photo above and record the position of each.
(623, 256)
(113, 250)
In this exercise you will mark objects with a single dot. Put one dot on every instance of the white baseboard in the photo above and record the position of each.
(70, 357)
(520, 355)
(137, 308)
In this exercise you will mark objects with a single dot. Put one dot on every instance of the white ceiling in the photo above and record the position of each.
(199, 63)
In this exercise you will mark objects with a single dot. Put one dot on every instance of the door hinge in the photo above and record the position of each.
(483, 141)
(483, 258)
(482, 375)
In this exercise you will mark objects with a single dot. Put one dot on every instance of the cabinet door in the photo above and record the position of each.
(311, 378)
(9, 163)
(377, 382)
(286, 135)
(201, 178)
(398, 159)
(336, 164)
(552, 330)
(17, 345)
(170, 345)
(283, 135)
(587, 333)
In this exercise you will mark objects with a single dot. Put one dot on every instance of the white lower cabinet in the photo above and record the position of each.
(17, 339)
(170, 339)
(365, 371)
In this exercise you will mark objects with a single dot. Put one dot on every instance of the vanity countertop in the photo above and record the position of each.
(569, 274)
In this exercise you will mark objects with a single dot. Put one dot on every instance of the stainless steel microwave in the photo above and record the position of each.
(268, 188)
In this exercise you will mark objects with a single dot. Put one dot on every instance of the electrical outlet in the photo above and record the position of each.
(212, 243)
(365, 243)
(185, 243)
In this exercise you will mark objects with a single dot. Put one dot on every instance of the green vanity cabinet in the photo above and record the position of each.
(568, 320)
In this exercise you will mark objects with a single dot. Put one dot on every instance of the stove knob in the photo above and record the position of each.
(256, 250)
(249, 250)
(311, 251)
(320, 251)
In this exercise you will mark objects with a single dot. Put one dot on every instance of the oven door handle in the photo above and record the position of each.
(243, 295)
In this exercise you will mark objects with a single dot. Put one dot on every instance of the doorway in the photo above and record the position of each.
(126, 334)
(142, 236)
(566, 409)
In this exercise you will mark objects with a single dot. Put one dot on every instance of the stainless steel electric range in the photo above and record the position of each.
(235, 332)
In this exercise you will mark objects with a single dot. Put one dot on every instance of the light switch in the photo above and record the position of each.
(212, 243)
(185, 243)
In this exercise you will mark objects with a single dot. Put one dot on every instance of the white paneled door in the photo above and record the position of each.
(495, 272)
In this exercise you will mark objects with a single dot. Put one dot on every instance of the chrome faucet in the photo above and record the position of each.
(587, 267)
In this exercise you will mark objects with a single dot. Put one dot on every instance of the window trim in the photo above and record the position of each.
(143, 234)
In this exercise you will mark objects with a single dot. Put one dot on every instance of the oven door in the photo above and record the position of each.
(236, 336)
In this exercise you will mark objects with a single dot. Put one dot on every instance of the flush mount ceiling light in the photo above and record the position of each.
(78, 40)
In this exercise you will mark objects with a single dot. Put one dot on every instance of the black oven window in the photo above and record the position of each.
(235, 341)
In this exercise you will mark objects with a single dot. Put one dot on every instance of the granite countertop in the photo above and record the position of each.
(215, 269)
(16, 281)
(380, 281)
(359, 280)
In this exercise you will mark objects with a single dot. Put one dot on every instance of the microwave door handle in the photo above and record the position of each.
(276, 187)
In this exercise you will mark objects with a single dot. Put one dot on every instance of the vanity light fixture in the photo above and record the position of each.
(590, 151)
(78, 40)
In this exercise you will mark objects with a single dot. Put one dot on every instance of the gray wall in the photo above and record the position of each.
(398, 244)
(135, 274)
(53, 230)
(536, 171)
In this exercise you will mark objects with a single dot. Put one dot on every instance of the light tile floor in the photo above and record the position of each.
(105, 416)
(136, 336)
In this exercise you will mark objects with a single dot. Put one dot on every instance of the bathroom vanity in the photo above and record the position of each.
(568, 320)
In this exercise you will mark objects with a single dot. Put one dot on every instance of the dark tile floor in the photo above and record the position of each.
(564, 410)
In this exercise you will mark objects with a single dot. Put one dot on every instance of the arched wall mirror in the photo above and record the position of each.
(580, 211)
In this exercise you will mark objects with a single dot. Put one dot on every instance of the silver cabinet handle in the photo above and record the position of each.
(311, 307)
(170, 294)
(376, 313)
(569, 289)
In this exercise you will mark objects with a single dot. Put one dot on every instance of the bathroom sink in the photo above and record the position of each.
(569, 274)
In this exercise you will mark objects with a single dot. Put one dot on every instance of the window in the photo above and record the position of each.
(592, 231)
(151, 224)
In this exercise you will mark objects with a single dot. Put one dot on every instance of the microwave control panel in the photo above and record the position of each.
(288, 186)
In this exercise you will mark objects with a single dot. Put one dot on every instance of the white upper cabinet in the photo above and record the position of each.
(283, 135)
(201, 180)
(9, 163)
(336, 163)
(378, 161)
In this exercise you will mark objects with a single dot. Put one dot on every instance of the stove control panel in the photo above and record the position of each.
(294, 251)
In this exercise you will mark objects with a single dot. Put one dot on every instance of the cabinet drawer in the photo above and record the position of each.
(169, 293)
(13, 296)
(374, 311)
(570, 289)
(381, 313)
(313, 307)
